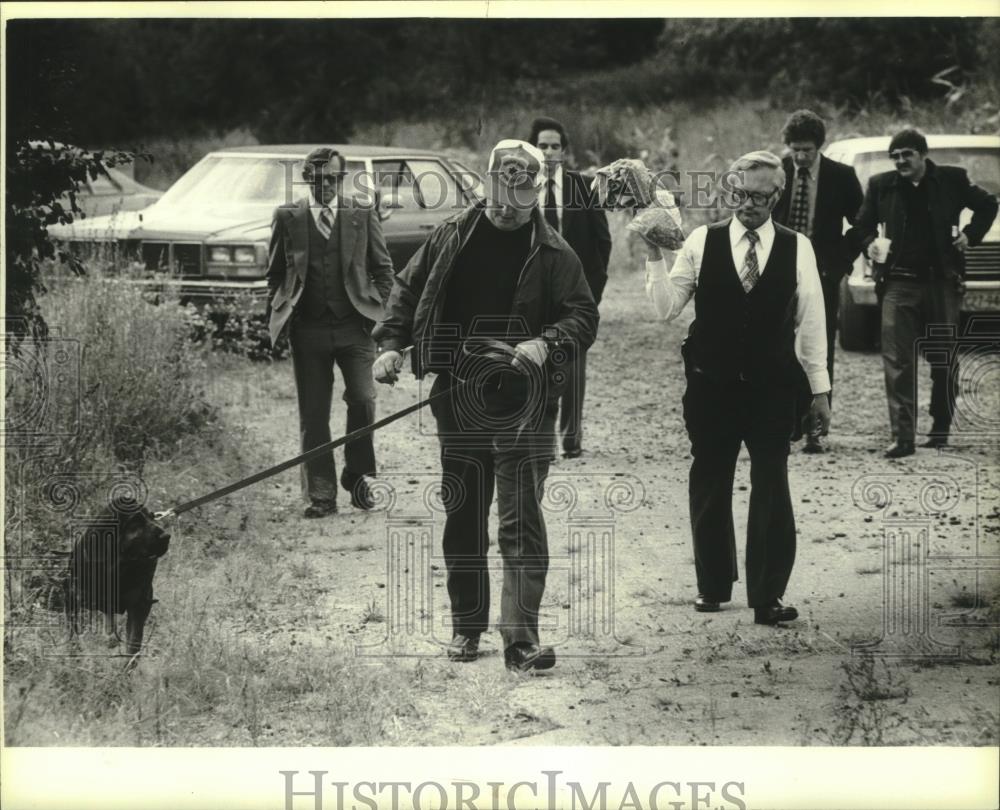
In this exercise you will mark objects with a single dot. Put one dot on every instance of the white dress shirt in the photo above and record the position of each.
(671, 291)
(316, 208)
(543, 192)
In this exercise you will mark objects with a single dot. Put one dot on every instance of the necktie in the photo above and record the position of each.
(551, 212)
(799, 219)
(750, 274)
(325, 222)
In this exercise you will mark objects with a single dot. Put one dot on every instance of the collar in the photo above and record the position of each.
(317, 206)
(737, 230)
(813, 168)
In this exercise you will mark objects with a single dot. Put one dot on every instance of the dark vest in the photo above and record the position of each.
(324, 292)
(738, 335)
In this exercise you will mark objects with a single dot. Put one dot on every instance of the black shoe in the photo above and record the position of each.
(705, 605)
(572, 452)
(524, 656)
(813, 444)
(361, 494)
(774, 613)
(318, 509)
(936, 441)
(463, 648)
(899, 449)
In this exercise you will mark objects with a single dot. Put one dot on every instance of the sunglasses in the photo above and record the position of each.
(902, 154)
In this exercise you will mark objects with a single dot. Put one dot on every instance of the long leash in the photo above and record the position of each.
(492, 350)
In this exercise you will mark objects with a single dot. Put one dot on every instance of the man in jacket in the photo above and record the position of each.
(920, 278)
(758, 322)
(572, 211)
(819, 195)
(328, 275)
(496, 270)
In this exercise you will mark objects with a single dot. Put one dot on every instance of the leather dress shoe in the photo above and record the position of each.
(899, 449)
(774, 613)
(357, 486)
(572, 452)
(463, 648)
(703, 604)
(524, 656)
(813, 444)
(935, 441)
(318, 509)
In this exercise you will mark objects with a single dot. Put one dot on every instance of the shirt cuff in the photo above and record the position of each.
(819, 382)
(657, 267)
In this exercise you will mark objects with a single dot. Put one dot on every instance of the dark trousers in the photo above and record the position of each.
(316, 347)
(719, 418)
(476, 461)
(909, 308)
(831, 302)
(571, 404)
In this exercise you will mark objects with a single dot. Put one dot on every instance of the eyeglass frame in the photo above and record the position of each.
(740, 196)
(903, 154)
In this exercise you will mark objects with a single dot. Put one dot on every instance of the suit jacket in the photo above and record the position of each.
(949, 192)
(585, 227)
(365, 260)
(838, 197)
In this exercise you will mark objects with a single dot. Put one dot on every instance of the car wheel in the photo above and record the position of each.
(859, 326)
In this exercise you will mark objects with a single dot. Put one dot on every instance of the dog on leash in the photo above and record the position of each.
(111, 569)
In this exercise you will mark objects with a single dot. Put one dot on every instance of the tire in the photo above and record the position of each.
(859, 326)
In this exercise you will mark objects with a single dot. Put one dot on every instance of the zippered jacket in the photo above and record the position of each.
(552, 300)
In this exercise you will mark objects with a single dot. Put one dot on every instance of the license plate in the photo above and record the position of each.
(981, 301)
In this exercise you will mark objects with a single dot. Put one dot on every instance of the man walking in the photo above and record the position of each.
(758, 315)
(819, 195)
(572, 211)
(496, 270)
(328, 275)
(919, 277)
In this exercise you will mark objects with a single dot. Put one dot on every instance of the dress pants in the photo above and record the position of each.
(477, 459)
(316, 346)
(908, 309)
(831, 303)
(720, 417)
(571, 404)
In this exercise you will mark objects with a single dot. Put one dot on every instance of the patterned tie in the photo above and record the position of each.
(551, 212)
(751, 272)
(325, 222)
(799, 219)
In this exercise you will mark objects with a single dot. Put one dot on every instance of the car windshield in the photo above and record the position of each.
(245, 184)
(982, 164)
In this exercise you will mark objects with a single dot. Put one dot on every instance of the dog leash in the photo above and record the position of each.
(491, 350)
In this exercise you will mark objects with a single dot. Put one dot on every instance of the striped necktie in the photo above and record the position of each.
(325, 222)
(751, 271)
(799, 220)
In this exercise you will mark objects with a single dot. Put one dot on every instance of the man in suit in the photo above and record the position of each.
(572, 211)
(329, 275)
(758, 319)
(819, 195)
(920, 278)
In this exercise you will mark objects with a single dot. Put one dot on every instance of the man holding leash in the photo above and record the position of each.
(328, 276)
(758, 316)
(495, 271)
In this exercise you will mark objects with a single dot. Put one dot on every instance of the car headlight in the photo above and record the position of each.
(220, 254)
(244, 255)
(237, 261)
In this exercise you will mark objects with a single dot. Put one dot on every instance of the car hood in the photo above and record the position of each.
(170, 224)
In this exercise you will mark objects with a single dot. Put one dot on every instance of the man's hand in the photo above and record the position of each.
(534, 351)
(819, 413)
(387, 367)
(654, 250)
(960, 242)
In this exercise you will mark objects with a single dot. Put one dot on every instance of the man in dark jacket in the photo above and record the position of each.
(572, 211)
(819, 195)
(919, 273)
(499, 271)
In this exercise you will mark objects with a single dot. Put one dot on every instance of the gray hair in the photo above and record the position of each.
(761, 159)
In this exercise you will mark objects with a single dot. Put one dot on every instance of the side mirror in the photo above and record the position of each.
(386, 205)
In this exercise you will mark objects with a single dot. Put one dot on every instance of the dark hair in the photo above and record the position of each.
(804, 125)
(542, 123)
(909, 139)
(318, 157)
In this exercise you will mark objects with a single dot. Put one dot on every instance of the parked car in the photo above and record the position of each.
(114, 192)
(980, 156)
(206, 238)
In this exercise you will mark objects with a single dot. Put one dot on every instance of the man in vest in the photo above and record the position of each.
(570, 208)
(758, 315)
(329, 274)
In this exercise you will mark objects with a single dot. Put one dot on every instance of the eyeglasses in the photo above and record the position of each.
(554, 146)
(902, 154)
(759, 198)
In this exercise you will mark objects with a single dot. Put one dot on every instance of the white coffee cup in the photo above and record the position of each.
(878, 250)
